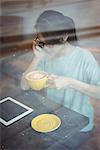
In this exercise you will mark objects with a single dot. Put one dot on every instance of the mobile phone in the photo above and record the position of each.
(39, 48)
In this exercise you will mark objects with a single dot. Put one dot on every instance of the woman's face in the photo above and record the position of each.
(51, 50)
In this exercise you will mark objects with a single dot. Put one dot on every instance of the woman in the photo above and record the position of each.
(74, 73)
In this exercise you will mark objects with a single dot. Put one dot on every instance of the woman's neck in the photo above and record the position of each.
(66, 50)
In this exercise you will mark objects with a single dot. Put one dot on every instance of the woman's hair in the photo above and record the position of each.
(54, 26)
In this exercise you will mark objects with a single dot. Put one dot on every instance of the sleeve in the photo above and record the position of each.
(93, 70)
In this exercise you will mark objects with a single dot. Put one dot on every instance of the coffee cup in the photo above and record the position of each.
(37, 80)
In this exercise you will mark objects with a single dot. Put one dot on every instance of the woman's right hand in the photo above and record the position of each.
(38, 54)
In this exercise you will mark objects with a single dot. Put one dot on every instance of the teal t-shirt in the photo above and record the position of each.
(79, 65)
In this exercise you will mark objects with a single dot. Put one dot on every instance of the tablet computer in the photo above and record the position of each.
(12, 110)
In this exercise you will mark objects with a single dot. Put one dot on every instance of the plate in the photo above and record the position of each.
(45, 123)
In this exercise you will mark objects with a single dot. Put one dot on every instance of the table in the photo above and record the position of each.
(20, 135)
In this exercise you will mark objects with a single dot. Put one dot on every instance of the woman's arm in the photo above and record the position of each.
(38, 57)
(88, 89)
(32, 66)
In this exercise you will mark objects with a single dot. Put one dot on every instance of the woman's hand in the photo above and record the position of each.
(62, 82)
(58, 82)
(38, 52)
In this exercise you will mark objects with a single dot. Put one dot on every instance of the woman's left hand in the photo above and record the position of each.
(60, 82)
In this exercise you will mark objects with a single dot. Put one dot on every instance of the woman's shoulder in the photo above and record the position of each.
(85, 52)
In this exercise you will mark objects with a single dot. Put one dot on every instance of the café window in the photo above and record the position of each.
(19, 38)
